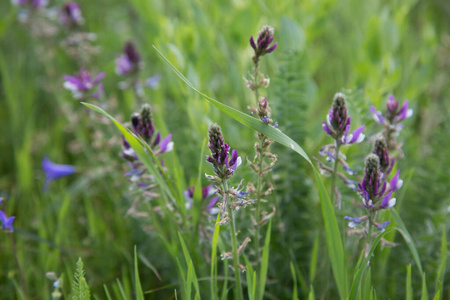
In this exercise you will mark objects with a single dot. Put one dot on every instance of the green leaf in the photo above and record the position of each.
(80, 286)
(424, 288)
(408, 239)
(409, 289)
(294, 280)
(362, 266)
(192, 276)
(443, 265)
(311, 295)
(108, 296)
(139, 293)
(265, 262)
(314, 256)
(250, 275)
(334, 241)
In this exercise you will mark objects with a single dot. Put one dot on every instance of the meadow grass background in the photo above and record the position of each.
(366, 49)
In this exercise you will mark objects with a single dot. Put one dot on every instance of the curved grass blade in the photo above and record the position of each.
(294, 280)
(265, 262)
(424, 288)
(409, 289)
(192, 276)
(334, 240)
(267, 130)
(443, 265)
(139, 293)
(408, 239)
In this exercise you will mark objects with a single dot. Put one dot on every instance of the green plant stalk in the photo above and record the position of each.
(19, 269)
(368, 245)
(333, 176)
(238, 290)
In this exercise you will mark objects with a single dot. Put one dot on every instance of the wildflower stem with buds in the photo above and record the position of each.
(261, 47)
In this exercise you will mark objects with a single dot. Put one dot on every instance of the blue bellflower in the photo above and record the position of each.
(6, 222)
(54, 171)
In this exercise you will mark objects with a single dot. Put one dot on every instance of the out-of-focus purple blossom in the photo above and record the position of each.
(394, 114)
(35, 4)
(152, 82)
(387, 201)
(129, 62)
(338, 122)
(6, 222)
(166, 145)
(54, 171)
(70, 15)
(207, 192)
(353, 221)
(224, 166)
(263, 42)
(82, 84)
(382, 227)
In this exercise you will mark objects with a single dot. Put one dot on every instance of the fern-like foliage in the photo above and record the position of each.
(80, 287)
(292, 90)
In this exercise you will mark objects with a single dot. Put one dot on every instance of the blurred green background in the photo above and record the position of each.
(366, 49)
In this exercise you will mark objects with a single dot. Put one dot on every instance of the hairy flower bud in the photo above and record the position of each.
(371, 179)
(381, 150)
(142, 123)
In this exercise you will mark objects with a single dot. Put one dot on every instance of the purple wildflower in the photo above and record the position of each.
(70, 15)
(81, 84)
(152, 82)
(129, 61)
(382, 227)
(263, 42)
(207, 192)
(142, 123)
(396, 182)
(54, 171)
(224, 166)
(338, 122)
(394, 114)
(6, 222)
(353, 221)
(166, 145)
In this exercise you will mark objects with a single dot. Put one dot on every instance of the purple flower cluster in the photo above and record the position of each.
(263, 42)
(207, 192)
(70, 15)
(142, 125)
(338, 123)
(54, 171)
(393, 115)
(129, 62)
(6, 222)
(224, 166)
(375, 190)
(82, 84)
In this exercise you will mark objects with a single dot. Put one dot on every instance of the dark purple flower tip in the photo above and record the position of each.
(166, 145)
(272, 48)
(234, 157)
(157, 139)
(70, 14)
(353, 221)
(54, 171)
(6, 222)
(383, 226)
(252, 42)
(152, 82)
(131, 52)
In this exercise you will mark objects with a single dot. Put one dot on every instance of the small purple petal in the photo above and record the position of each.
(396, 182)
(378, 116)
(383, 226)
(385, 201)
(325, 127)
(7, 222)
(234, 157)
(54, 171)
(272, 48)
(152, 82)
(166, 145)
(358, 137)
(212, 202)
(252, 42)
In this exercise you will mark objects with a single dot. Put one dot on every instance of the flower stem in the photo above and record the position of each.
(238, 290)
(333, 176)
(22, 279)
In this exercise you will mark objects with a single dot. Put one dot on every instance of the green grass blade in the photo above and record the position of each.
(334, 240)
(424, 288)
(265, 263)
(314, 256)
(139, 293)
(243, 118)
(121, 290)
(108, 296)
(443, 265)
(137, 146)
(409, 289)
(438, 295)
(249, 273)
(361, 268)
(214, 259)
(311, 295)
(408, 239)
(190, 277)
(294, 280)
(191, 269)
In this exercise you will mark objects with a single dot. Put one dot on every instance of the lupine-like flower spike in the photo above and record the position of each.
(224, 166)
(263, 42)
(381, 150)
(338, 123)
(143, 123)
(70, 15)
(130, 61)
(81, 84)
